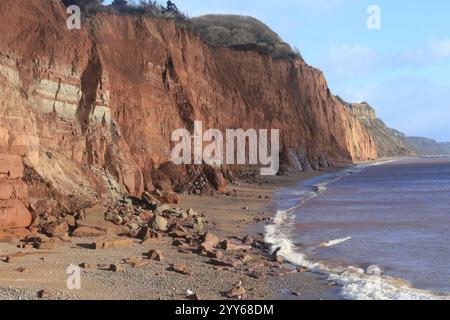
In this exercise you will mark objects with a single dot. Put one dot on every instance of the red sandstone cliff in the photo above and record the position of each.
(86, 115)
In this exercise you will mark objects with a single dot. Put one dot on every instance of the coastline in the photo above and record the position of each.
(245, 209)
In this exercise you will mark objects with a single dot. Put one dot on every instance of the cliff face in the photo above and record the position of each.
(87, 115)
(389, 142)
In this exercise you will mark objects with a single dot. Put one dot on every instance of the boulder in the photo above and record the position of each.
(57, 228)
(150, 199)
(216, 178)
(71, 222)
(198, 224)
(276, 257)
(155, 255)
(210, 239)
(248, 240)
(160, 223)
(169, 197)
(114, 267)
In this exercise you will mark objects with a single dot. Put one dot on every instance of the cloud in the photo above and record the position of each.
(434, 51)
(349, 61)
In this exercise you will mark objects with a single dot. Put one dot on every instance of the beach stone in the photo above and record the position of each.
(302, 269)
(179, 242)
(276, 257)
(248, 240)
(255, 274)
(232, 263)
(146, 215)
(178, 234)
(181, 269)
(150, 241)
(215, 254)
(169, 197)
(117, 219)
(135, 261)
(210, 239)
(114, 267)
(160, 223)
(56, 228)
(85, 265)
(191, 212)
(150, 199)
(245, 258)
(163, 208)
(46, 293)
(237, 293)
(155, 255)
(88, 232)
(198, 224)
(229, 245)
(193, 297)
(71, 222)
(117, 243)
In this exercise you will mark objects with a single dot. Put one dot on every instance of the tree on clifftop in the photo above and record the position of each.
(120, 4)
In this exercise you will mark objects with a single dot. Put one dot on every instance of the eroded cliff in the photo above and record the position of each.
(389, 142)
(86, 115)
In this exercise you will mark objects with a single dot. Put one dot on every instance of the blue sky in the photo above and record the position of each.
(403, 69)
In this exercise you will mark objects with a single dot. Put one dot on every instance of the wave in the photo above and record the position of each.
(354, 283)
(334, 242)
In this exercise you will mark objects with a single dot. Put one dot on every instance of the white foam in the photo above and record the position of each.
(334, 242)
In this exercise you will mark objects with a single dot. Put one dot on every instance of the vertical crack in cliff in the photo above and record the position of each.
(185, 108)
(90, 81)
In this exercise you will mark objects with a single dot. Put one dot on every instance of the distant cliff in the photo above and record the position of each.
(424, 146)
(390, 142)
(87, 115)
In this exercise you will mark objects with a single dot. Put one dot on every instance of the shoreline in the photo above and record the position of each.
(245, 209)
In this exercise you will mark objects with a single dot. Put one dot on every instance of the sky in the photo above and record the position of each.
(402, 69)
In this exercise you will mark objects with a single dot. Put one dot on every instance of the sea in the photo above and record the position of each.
(377, 231)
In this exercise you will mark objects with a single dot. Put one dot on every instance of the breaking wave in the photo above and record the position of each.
(334, 242)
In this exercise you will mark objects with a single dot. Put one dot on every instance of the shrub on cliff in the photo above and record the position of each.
(241, 32)
(88, 6)
(148, 8)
